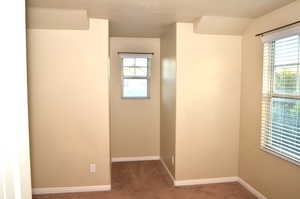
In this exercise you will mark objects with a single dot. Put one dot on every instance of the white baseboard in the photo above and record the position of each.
(220, 180)
(205, 181)
(52, 190)
(131, 159)
(251, 189)
(168, 171)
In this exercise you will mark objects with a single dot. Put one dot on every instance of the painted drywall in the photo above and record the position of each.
(15, 181)
(69, 105)
(134, 122)
(168, 98)
(221, 25)
(272, 176)
(52, 18)
(207, 104)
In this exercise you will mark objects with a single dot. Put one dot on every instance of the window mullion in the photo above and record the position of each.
(135, 77)
(286, 96)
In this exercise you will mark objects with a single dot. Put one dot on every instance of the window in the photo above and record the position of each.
(281, 98)
(135, 73)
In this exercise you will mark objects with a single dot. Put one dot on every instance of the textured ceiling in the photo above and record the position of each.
(147, 18)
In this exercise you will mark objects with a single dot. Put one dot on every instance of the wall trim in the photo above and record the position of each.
(219, 180)
(51, 190)
(205, 181)
(131, 159)
(251, 189)
(167, 169)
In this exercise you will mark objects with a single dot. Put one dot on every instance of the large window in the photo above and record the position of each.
(281, 98)
(135, 74)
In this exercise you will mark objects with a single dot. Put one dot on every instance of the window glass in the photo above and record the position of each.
(286, 51)
(135, 88)
(128, 61)
(141, 62)
(285, 125)
(286, 79)
(142, 72)
(128, 71)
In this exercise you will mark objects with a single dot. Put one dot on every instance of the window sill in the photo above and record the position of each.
(135, 98)
(280, 156)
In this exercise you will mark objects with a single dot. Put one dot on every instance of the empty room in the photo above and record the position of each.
(150, 99)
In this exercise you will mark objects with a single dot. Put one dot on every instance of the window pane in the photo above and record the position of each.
(128, 71)
(135, 88)
(141, 62)
(128, 61)
(286, 125)
(286, 51)
(286, 80)
(141, 72)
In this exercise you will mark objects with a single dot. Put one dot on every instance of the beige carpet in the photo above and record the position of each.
(149, 180)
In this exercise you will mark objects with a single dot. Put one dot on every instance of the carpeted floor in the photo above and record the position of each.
(149, 180)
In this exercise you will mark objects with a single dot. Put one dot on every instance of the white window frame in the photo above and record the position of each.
(268, 95)
(148, 77)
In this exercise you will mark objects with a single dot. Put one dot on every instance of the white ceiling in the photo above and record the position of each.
(147, 18)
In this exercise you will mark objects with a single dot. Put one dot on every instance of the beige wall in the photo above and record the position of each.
(272, 176)
(134, 122)
(68, 100)
(52, 18)
(208, 104)
(168, 98)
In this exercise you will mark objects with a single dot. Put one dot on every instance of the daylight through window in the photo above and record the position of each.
(135, 72)
(281, 98)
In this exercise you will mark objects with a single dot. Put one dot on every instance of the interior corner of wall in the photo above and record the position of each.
(177, 25)
(196, 23)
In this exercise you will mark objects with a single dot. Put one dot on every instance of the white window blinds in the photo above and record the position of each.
(281, 98)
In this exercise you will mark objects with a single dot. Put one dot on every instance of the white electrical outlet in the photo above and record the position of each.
(92, 168)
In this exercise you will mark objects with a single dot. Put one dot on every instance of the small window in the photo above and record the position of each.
(281, 98)
(135, 75)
